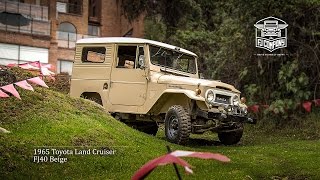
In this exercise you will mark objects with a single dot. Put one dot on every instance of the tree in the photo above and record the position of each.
(223, 35)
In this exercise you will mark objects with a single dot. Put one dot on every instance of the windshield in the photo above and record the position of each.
(172, 59)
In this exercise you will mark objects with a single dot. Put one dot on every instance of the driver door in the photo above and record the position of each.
(128, 80)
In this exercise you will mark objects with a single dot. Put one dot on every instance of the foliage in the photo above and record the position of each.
(15, 74)
(223, 35)
(291, 84)
(61, 83)
(12, 75)
(172, 11)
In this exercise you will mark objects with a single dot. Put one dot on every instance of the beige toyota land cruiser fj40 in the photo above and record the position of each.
(143, 83)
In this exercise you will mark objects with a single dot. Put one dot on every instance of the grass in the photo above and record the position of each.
(45, 119)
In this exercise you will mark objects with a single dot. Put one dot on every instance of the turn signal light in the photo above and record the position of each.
(198, 91)
(243, 100)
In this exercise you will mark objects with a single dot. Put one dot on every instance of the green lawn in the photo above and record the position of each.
(49, 120)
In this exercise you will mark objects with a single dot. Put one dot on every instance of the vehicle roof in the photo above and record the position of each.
(129, 40)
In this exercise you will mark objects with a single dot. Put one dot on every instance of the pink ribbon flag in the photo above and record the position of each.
(307, 106)
(173, 157)
(201, 155)
(3, 94)
(10, 89)
(46, 71)
(35, 64)
(24, 84)
(28, 66)
(160, 161)
(37, 80)
(316, 102)
(253, 108)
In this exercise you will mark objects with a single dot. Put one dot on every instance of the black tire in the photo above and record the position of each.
(232, 136)
(177, 125)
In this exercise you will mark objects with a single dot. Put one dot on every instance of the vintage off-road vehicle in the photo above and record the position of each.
(143, 83)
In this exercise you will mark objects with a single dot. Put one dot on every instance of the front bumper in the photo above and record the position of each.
(225, 117)
(240, 118)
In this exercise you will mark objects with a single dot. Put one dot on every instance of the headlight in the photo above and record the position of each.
(236, 100)
(210, 96)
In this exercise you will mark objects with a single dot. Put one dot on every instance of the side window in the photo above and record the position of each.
(127, 56)
(93, 54)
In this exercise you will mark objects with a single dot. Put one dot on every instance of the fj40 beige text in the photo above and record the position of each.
(144, 83)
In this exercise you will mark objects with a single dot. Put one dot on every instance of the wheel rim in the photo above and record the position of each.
(173, 126)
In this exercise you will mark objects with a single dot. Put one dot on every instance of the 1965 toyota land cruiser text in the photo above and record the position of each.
(143, 83)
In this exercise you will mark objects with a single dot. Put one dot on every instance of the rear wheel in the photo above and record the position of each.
(231, 136)
(177, 125)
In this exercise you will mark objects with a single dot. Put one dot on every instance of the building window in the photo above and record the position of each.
(67, 27)
(64, 66)
(24, 18)
(67, 35)
(93, 30)
(94, 10)
(75, 6)
(71, 6)
(11, 53)
(21, 1)
(93, 54)
(62, 7)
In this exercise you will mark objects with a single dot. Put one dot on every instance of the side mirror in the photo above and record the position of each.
(141, 62)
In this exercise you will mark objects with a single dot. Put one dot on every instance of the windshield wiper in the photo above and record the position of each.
(180, 55)
(158, 52)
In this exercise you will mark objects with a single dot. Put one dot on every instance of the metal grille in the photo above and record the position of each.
(223, 99)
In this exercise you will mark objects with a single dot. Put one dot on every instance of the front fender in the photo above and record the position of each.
(189, 93)
(170, 97)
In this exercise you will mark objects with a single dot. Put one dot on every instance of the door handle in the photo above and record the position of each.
(105, 86)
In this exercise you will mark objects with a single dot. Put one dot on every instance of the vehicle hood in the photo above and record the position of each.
(180, 80)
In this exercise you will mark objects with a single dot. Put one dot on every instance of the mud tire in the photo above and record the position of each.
(177, 125)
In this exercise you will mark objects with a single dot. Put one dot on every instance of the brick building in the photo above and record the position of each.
(46, 30)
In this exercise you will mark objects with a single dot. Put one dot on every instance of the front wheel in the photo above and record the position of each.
(232, 136)
(177, 125)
